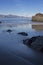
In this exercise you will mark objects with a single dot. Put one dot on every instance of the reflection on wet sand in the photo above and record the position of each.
(37, 27)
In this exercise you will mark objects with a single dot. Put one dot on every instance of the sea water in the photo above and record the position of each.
(11, 44)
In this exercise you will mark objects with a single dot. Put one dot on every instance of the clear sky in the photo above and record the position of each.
(21, 7)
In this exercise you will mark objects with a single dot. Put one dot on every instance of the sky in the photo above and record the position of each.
(21, 7)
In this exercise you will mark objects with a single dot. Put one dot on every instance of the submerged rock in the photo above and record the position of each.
(35, 43)
(9, 30)
(23, 33)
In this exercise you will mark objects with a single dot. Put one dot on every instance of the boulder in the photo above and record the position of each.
(35, 43)
(23, 33)
(9, 30)
(29, 41)
(0, 22)
(41, 49)
(38, 44)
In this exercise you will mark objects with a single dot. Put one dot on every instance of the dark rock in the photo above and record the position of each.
(23, 33)
(35, 43)
(0, 22)
(29, 41)
(41, 49)
(9, 30)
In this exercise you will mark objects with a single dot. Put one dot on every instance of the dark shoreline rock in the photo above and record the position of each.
(41, 49)
(29, 41)
(23, 34)
(35, 43)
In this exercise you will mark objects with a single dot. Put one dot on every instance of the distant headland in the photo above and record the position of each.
(11, 16)
(38, 17)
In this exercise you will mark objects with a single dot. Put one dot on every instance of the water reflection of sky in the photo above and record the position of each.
(12, 43)
(22, 28)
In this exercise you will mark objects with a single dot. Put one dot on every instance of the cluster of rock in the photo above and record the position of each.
(38, 17)
(20, 33)
(35, 43)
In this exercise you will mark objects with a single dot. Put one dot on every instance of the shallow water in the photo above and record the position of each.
(12, 47)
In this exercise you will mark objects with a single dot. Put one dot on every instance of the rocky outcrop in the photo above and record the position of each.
(23, 34)
(35, 43)
(38, 17)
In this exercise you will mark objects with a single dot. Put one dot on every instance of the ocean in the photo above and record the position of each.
(21, 24)
(12, 49)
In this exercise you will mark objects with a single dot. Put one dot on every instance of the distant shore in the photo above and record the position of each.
(12, 16)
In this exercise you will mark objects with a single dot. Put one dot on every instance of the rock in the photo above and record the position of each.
(29, 41)
(0, 22)
(38, 44)
(23, 33)
(9, 30)
(41, 49)
(35, 43)
(38, 17)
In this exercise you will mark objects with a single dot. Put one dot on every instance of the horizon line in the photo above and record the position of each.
(17, 15)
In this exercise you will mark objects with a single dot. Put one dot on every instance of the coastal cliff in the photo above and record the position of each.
(38, 17)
